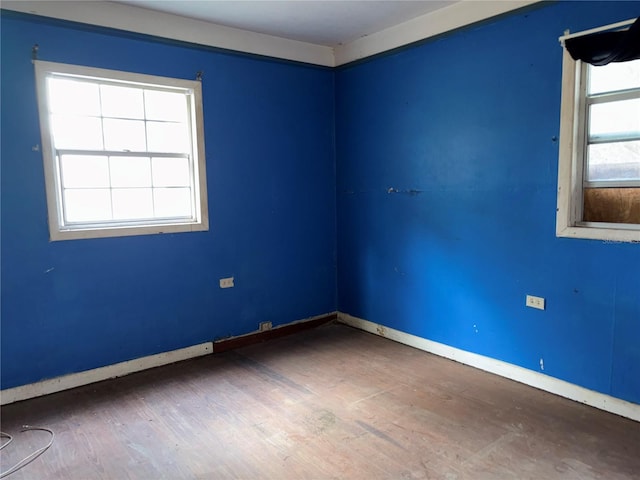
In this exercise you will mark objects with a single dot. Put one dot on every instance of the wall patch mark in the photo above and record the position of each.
(412, 191)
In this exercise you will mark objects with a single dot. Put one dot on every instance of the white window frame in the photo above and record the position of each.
(572, 158)
(57, 228)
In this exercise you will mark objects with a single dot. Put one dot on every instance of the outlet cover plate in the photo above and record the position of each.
(535, 302)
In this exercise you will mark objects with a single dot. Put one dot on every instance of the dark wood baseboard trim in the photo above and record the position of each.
(258, 337)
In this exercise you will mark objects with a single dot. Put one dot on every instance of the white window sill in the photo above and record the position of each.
(77, 234)
(601, 233)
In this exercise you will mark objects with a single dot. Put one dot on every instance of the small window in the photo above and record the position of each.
(599, 169)
(123, 153)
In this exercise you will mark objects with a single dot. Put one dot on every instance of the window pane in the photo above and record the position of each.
(171, 172)
(614, 77)
(168, 137)
(130, 171)
(72, 97)
(117, 143)
(87, 205)
(168, 106)
(172, 202)
(123, 102)
(124, 135)
(84, 133)
(132, 203)
(614, 161)
(84, 171)
(614, 119)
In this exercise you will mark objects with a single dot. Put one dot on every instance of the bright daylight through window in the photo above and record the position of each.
(123, 153)
(599, 173)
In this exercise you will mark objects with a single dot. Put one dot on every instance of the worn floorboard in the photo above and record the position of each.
(332, 402)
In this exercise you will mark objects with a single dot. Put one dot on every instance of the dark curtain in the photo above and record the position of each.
(606, 47)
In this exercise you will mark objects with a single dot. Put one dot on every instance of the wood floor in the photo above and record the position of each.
(332, 402)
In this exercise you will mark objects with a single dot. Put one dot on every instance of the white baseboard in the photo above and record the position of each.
(504, 369)
(498, 367)
(74, 380)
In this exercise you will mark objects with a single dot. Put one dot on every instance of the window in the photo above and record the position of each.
(599, 169)
(123, 153)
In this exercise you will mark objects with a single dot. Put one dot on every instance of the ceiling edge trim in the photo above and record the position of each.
(429, 25)
(175, 27)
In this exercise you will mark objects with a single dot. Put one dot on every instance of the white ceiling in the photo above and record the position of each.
(328, 33)
(329, 22)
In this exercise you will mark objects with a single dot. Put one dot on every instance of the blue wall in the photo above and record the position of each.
(446, 175)
(269, 132)
(464, 130)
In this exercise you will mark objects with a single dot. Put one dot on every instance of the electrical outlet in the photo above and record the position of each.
(226, 282)
(264, 326)
(535, 302)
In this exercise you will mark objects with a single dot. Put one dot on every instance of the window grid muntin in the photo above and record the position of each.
(110, 188)
(570, 163)
(188, 93)
(43, 70)
(190, 136)
(585, 101)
